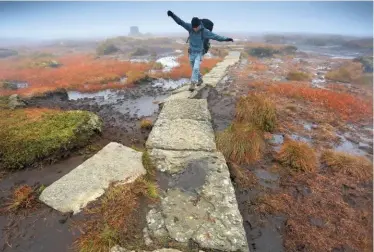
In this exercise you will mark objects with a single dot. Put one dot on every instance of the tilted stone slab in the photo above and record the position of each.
(207, 213)
(182, 134)
(194, 109)
(89, 180)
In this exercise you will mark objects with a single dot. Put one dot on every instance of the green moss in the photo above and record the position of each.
(30, 135)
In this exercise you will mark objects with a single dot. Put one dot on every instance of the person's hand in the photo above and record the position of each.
(229, 40)
(170, 13)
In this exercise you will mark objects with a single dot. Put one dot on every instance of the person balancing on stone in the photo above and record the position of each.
(200, 31)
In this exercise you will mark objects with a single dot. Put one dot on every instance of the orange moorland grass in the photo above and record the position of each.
(297, 156)
(348, 72)
(241, 143)
(23, 197)
(346, 105)
(334, 213)
(115, 219)
(77, 72)
(343, 163)
(257, 109)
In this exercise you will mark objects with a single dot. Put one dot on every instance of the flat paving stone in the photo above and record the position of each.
(89, 180)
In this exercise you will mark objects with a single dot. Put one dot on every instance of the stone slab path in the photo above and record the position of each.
(211, 78)
(199, 202)
(89, 180)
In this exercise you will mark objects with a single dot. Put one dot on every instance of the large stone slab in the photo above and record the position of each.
(171, 162)
(182, 134)
(89, 180)
(206, 213)
(194, 109)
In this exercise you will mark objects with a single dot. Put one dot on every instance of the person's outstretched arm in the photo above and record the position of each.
(179, 21)
(210, 35)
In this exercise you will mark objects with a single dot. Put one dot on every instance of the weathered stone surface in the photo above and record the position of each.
(15, 102)
(182, 134)
(183, 94)
(194, 109)
(156, 224)
(175, 161)
(120, 249)
(88, 181)
(208, 214)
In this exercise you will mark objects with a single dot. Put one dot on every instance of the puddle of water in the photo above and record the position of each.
(15, 85)
(170, 84)
(106, 94)
(192, 177)
(300, 138)
(349, 147)
(123, 80)
(309, 126)
(319, 83)
(277, 139)
(140, 107)
(168, 63)
(139, 60)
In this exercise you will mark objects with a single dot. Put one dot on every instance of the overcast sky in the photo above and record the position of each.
(94, 19)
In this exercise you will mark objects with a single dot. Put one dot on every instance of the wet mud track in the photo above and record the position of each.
(44, 229)
(264, 233)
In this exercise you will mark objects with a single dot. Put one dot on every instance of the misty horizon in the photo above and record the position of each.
(83, 20)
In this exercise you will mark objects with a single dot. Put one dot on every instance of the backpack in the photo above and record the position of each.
(208, 25)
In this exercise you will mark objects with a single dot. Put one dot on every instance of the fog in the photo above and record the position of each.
(52, 20)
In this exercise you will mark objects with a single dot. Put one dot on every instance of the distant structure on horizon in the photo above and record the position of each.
(134, 31)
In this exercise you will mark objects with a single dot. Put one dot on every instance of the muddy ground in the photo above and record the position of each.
(265, 232)
(45, 229)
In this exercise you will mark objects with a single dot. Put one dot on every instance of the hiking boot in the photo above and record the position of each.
(200, 82)
(192, 86)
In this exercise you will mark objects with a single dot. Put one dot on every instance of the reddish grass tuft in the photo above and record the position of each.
(23, 197)
(241, 143)
(256, 109)
(114, 220)
(339, 162)
(297, 156)
(349, 72)
(346, 105)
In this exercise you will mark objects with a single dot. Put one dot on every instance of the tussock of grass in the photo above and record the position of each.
(148, 165)
(355, 166)
(298, 156)
(30, 135)
(241, 143)
(113, 220)
(257, 109)
(23, 197)
(146, 124)
(346, 73)
(298, 76)
(340, 223)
